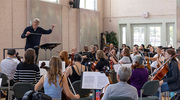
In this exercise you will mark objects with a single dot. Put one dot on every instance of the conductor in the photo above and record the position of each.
(33, 35)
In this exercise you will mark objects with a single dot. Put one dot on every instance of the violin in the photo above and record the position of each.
(136, 65)
(93, 66)
(148, 64)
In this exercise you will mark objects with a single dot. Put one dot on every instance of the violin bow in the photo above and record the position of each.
(71, 86)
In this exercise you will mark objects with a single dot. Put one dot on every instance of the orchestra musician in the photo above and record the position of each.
(139, 74)
(74, 71)
(101, 61)
(65, 57)
(126, 57)
(154, 59)
(122, 88)
(172, 79)
(33, 35)
(135, 53)
(55, 81)
(113, 57)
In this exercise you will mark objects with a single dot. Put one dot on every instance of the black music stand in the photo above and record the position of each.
(49, 46)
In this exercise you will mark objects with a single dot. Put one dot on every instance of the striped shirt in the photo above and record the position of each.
(27, 73)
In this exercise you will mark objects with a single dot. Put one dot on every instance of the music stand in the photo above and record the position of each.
(49, 46)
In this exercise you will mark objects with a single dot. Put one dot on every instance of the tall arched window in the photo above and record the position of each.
(88, 4)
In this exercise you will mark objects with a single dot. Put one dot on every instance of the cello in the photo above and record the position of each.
(162, 70)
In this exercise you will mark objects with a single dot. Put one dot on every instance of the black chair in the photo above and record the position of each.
(84, 93)
(21, 88)
(149, 88)
(5, 85)
(119, 98)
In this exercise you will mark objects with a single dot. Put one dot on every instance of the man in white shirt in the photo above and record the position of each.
(8, 65)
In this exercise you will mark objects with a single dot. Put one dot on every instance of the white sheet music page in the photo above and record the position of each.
(0, 81)
(94, 80)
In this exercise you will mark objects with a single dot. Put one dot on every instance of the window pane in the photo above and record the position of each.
(155, 35)
(82, 5)
(90, 4)
(139, 32)
(52, 1)
(123, 35)
(171, 31)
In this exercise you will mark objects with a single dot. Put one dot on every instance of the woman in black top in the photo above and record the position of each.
(74, 72)
(172, 80)
(101, 61)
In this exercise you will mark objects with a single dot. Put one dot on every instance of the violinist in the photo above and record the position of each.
(92, 50)
(74, 71)
(96, 47)
(55, 81)
(111, 46)
(135, 53)
(172, 79)
(139, 74)
(152, 51)
(64, 57)
(122, 88)
(126, 56)
(154, 59)
(101, 61)
(113, 57)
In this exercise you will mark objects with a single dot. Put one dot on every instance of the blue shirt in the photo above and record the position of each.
(52, 90)
(34, 40)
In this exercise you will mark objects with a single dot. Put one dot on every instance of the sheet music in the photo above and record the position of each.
(116, 66)
(94, 80)
(63, 66)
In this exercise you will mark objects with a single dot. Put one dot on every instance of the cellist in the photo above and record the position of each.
(172, 79)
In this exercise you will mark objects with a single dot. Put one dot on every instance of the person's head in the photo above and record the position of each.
(96, 47)
(74, 50)
(149, 45)
(123, 45)
(138, 60)
(124, 73)
(135, 49)
(114, 52)
(159, 48)
(55, 69)
(142, 46)
(136, 46)
(85, 48)
(30, 56)
(151, 49)
(100, 54)
(11, 52)
(35, 23)
(111, 46)
(125, 52)
(169, 53)
(77, 57)
(92, 48)
(64, 57)
(128, 47)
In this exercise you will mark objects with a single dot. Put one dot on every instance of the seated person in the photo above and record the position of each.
(122, 88)
(101, 61)
(28, 71)
(8, 65)
(135, 53)
(64, 57)
(74, 72)
(54, 81)
(113, 57)
(139, 74)
(126, 56)
(172, 79)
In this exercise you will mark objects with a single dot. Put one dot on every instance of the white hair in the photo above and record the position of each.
(124, 73)
(36, 20)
